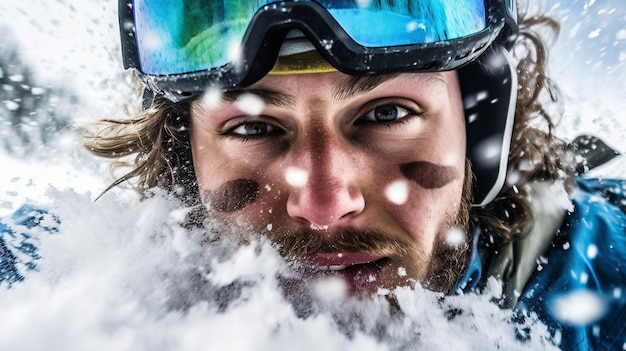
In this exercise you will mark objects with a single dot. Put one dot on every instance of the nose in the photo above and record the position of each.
(324, 190)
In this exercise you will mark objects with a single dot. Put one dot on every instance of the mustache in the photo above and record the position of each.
(306, 242)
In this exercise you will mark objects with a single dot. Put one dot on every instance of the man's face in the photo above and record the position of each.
(356, 178)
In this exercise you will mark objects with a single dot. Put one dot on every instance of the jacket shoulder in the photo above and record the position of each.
(585, 266)
(19, 241)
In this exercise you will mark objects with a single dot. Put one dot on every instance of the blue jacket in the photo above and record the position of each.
(19, 238)
(577, 286)
(586, 266)
(585, 258)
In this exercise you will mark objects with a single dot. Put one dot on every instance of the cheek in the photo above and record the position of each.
(233, 195)
(252, 204)
(433, 202)
(226, 184)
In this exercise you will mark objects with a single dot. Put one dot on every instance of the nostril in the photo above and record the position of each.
(349, 214)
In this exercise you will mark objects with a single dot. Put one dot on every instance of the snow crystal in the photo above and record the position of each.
(327, 44)
(11, 105)
(592, 251)
(37, 91)
(401, 271)
(580, 307)
(152, 41)
(488, 151)
(470, 101)
(212, 98)
(414, 25)
(455, 237)
(331, 289)
(472, 118)
(250, 104)
(296, 177)
(594, 34)
(235, 52)
(123, 274)
(617, 293)
(584, 278)
(16, 78)
(397, 192)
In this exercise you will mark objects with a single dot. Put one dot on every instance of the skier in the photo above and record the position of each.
(384, 143)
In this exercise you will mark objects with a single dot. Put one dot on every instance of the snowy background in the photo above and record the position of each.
(60, 68)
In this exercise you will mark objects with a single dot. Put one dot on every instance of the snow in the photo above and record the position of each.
(581, 307)
(397, 192)
(212, 98)
(455, 237)
(250, 104)
(122, 274)
(592, 251)
(296, 177)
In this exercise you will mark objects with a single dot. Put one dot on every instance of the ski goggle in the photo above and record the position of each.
(180, 48)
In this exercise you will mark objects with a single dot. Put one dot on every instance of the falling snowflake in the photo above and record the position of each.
(250, 104)
(581, 307)
(296, 176)
(212, 98)
(331, 288)
(455, 237)
(397, 192)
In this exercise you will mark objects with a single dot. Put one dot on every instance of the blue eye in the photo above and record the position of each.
(251, 129)
(386, 113)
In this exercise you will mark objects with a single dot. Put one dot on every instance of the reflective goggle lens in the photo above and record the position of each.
(185, 36)
(176, 37)
(412, 22)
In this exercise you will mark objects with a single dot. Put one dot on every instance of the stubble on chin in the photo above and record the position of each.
(450, 258)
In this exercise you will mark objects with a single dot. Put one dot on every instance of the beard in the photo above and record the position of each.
(438, 270)
(449, 262)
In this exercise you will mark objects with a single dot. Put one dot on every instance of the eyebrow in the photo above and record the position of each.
(343, 90)
(269, 96)
(357, 85)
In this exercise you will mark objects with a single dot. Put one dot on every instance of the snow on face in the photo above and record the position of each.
(250, 104)
(212, 98)
(138, 280)
(296, 177)
(455, 237)
(125, 275)
(397, 192)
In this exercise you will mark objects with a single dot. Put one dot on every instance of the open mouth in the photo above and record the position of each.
(341, 261)
(361, 272)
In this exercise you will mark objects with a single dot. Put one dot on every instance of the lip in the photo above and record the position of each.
(337, 261)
